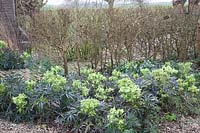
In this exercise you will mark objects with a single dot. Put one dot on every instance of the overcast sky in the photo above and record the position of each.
(55, 2)
(59, 2)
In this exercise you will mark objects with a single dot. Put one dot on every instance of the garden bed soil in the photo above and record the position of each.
(10, 127)
(184, 125)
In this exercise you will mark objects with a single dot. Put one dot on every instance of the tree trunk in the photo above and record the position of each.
(65, 63)
(111, 4)
(198, 40)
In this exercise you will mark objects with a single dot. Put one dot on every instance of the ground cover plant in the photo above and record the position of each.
(10, 59)
(133, 97)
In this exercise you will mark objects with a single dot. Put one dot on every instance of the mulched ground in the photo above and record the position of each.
(184, 125)
(9, 127)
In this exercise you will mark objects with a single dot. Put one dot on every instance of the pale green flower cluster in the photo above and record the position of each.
(128, 90)
(163, 75)
(79, 86)
(102, 93)
(89, 105)
(52, 77)
(2, 44)
(115, 75)
(145, 72)
(185, 68)
(30, 85)
(86, 72)
(115, 118)
(188, 84)
(20, 102)
(96, 78)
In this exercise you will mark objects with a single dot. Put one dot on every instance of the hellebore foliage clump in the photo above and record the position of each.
(132, 98)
